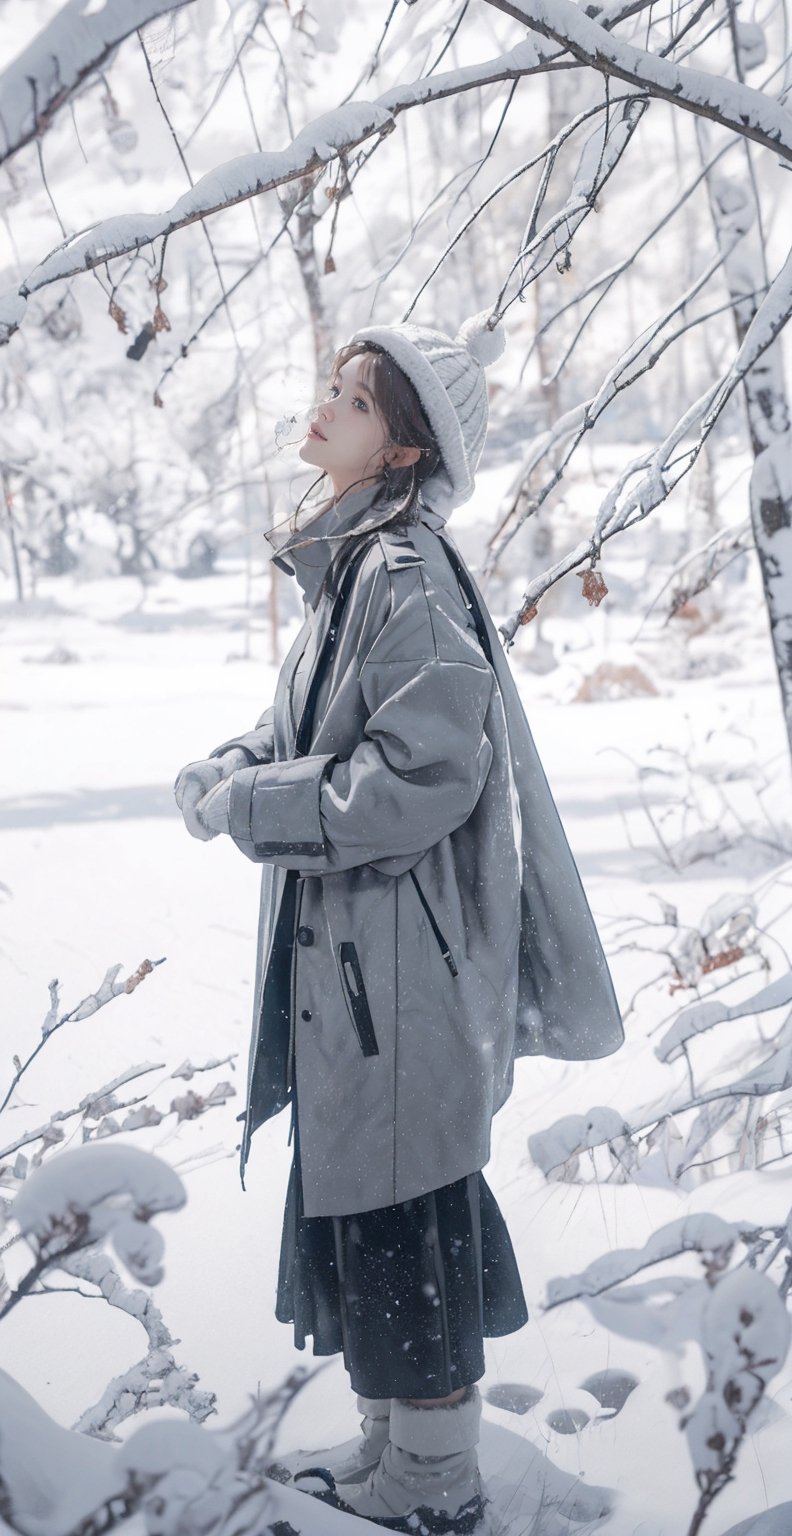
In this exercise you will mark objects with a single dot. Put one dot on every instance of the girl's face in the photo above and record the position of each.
(348, 438)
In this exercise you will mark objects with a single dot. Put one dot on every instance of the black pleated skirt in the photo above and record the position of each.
(407, 1292)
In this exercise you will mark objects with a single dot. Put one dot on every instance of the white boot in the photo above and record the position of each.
(427, 1478)
(354, 1459)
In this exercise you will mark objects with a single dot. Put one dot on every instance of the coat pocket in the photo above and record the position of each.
(444, 949)
(355, 993)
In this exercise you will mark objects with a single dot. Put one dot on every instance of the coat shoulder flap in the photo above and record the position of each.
(398, 550)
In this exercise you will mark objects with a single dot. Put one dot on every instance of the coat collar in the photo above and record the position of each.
(308, 552)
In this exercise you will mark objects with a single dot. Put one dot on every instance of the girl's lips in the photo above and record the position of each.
(314, 432)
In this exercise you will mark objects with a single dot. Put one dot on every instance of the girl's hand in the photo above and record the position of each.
(196, 780)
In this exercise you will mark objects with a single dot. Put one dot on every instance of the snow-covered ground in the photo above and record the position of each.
(98, 869)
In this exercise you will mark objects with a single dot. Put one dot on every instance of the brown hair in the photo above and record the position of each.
(405, 422)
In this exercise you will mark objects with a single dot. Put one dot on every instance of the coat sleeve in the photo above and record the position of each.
(414, 778)
(258, 743)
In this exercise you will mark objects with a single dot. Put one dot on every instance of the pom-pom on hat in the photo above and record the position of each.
(448, 377)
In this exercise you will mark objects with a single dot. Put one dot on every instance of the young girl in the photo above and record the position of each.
(422, 923)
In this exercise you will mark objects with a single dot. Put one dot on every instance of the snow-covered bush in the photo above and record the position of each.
(174, 1476)
(737, 1315)
(180, 1478)
(718, 1097)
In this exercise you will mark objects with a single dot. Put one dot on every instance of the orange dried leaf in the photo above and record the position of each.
(530, 613)
(117, 314)
(594, 588)
(725, 957)
(158, 399)
(161, 321)
(144, 969)
(329, 265)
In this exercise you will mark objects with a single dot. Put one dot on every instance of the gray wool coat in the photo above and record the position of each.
(436, 926)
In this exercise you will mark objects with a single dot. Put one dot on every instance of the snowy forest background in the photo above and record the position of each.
(199, 201)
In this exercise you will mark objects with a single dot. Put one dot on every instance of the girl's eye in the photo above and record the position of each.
(356, 399)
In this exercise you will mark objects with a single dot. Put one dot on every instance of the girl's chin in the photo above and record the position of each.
(308, 447)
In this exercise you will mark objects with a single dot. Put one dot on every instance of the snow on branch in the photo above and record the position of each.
(733, 105)
(235, 181)
(336, 133)
(745, 1335)
(557, 1148)
(85, 1195)
(70, 50)
(570, 1135)
(702, 1016)
(659, 468)
(328, 137)
(737, 1316)
(701, 1233)
(154, 1381)
(170, 1476)
(107, 990)
(601, 154)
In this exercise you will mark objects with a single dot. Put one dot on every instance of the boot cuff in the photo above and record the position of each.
(437, 1431)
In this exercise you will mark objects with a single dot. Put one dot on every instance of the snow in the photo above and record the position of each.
(53, 1477)
(648, 1195)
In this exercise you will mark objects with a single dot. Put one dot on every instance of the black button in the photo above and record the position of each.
(305, 935)
(306, 1013)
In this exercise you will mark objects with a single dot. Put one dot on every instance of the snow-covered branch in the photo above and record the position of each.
(703, 1016)
(745, 1334)
(93, 1192)
(108, 989)
(72, 49)
(330, 136)
(701, 1233)
(336, 133)
(738, 1316)
(152, 1382)
(233, 182)
(178, 1475)
(730, 103)
(54, 1480)
(662, 466)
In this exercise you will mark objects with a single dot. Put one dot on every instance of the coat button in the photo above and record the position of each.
(305, 935)
(306, 1013)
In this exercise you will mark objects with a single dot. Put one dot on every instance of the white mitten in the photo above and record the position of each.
(196, 780)
(213, 809)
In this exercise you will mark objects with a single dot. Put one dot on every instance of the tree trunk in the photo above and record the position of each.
(767, 409)
(305, 251)
(12, 536)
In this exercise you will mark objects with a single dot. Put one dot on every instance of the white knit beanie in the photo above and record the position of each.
(448, 377)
